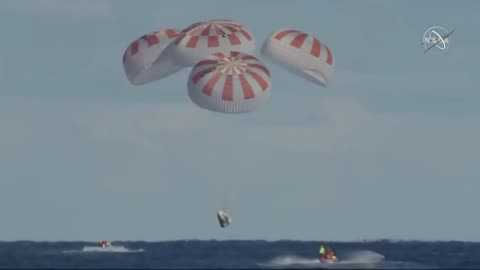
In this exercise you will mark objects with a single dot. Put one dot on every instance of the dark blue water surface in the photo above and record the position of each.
(239, 254)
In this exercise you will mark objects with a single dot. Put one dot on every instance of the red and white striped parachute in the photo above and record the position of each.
(200, 40)
(231, 82)
(140, 58)
(302, 54)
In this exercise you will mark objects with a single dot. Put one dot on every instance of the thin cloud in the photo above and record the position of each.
(437, 84)
(339, 125)
(336, 125)
(76, 8)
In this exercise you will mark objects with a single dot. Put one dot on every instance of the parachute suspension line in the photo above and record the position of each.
(227, 182)
(227, 194)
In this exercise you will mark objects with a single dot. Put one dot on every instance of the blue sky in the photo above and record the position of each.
(389, 150)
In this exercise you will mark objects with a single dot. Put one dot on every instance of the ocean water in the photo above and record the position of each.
(239, 254)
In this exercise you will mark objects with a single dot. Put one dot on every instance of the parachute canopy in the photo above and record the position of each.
(223, 218)
(140, 58)
(202, 39)
(231, 82)
(301, 54)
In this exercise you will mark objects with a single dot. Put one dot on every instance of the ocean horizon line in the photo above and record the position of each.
(382, 240)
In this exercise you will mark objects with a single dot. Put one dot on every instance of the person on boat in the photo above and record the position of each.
(104, 243)
(322, 250)
(327, 254)
(330, 254)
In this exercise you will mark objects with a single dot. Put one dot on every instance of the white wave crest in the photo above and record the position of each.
(354, 259)
(111, 249)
